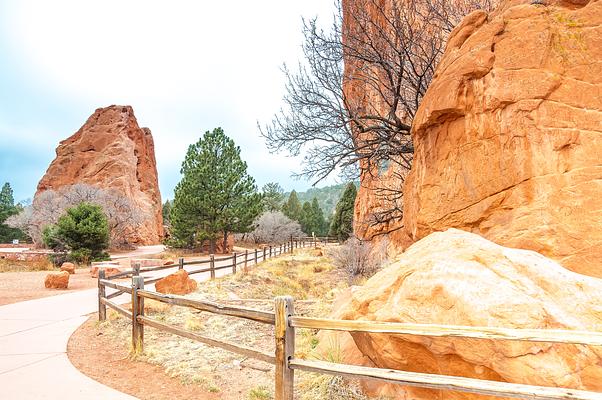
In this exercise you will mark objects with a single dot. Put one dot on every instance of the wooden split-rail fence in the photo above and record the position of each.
(285, 322)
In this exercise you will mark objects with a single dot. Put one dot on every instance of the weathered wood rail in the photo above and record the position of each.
(285, 323)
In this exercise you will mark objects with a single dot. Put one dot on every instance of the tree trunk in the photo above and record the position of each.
(225, 248)
(212, 246)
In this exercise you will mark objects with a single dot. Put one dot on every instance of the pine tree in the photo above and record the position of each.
(216, 196)
(319, 223)
(6, 196)
(273, 197)
(7, 209)
(166, 212)
(342, 222)
(306, 220)
(292, 207)
(83, 230)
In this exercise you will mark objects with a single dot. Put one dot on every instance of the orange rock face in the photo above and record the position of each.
(508, 139)
(176, 283)
(111, 151)
(57, 280)
(459, 278)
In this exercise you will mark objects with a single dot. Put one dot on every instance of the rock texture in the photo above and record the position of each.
(111, 151)
(508, 139)
(69, 267)
(176, 283)
(57, 280)
(459, 278)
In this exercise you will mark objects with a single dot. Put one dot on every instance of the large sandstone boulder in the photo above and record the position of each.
(176, 283)
(508, 139)
(111, 151)
(57, 280)
(459, 278)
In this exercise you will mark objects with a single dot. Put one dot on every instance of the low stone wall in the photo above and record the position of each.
(24, 256)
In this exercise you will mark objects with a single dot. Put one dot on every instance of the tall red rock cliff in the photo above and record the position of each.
(508, 139)
(111, 151)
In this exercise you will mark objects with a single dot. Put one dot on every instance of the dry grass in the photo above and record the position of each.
(311, 279)
(25, 266)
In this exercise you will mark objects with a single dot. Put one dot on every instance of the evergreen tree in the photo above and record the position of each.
(7, 209)
(319, 223)
(292, 207)
(342, 221)
(6, 196)
(216, 196)
(166, 211)
(273, 197)
(307, 223)
(83, 230)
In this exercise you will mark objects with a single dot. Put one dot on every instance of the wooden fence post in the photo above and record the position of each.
(285, 348)
(137, 268)
(137, 309)
(265, 249)
(270, 251)
(234, 262)
(246, 258)
(256, 261)
(102, 309)
(212, 265)
(181, 263)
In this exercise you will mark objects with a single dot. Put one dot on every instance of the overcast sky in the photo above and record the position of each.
(184, 66)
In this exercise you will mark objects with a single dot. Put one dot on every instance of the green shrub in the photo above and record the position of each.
(83, 231)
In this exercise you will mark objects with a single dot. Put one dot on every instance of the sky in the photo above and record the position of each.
(184, 66)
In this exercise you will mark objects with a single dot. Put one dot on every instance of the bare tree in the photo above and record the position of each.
(349, 108)
(274, 227)
(359, 259)
(123, 215)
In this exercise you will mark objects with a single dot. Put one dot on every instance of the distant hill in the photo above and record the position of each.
(327, 197)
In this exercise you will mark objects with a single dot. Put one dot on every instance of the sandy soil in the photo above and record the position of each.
(21, 286)
(106, 360)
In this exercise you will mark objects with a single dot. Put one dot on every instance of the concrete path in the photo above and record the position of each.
(139, 252)
(33, 346)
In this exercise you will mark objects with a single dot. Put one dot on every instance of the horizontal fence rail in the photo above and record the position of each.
(431, 330)
(209, 306)
(445, 382)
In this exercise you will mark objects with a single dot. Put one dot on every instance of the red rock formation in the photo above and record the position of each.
(57, 280)
(508, 139)
(111, 151)
(459, 278)
(176, 283)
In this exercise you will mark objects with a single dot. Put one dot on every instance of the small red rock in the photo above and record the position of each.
(57, 280)
(176, 283)
(109, 270)
(69, 267)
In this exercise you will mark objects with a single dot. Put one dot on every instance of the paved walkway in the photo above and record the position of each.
(33, 347)
(33, 350)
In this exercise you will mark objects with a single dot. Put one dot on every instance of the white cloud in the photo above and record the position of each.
(185, 66)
